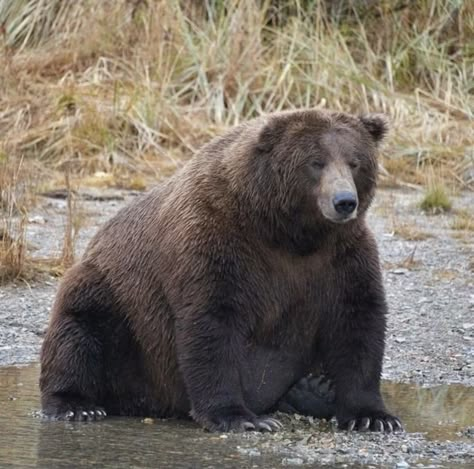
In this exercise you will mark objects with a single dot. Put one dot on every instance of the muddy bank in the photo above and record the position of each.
(428, 268)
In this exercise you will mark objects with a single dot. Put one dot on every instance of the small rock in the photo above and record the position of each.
(468, 325)
(148, 420)
(399, 271)
(223, 436)
(292, 461)
(37, 219)
(249, 452)
(342, 450)
(469, 431)
(402, 464)
(400, 340)
(363, 452)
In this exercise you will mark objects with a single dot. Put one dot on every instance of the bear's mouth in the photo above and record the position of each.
(341, 219)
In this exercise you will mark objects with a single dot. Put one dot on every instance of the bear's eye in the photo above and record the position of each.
(354, 164)
(317, 164)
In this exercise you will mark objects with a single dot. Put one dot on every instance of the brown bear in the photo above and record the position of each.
(213, 294)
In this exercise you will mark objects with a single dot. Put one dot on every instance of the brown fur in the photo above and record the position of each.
(217, 291)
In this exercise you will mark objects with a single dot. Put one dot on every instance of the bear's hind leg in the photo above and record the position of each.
(71, 373)
(312, 396)
(72, 379)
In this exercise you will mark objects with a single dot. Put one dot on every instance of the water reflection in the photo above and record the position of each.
(126, 442)
(115, 442)
(440, 412)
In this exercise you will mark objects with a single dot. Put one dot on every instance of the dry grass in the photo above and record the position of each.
(445, 275)
(17, 188)
(19, 183)
(463, 221)
(130, 88)
(410, 262)
(13, 202)
(410, 232)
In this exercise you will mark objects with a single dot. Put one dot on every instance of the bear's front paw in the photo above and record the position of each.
(242, 424)
(374, 422)
(226, 420)
(78, 414)
(72, 410)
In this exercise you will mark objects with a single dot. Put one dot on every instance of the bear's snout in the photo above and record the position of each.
(337, 197)
(345, 202)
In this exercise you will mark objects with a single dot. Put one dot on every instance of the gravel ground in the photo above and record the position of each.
(430, 341)
(320, 444)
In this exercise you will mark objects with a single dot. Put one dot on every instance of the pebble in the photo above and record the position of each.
(399, 271)
(402, 464)
(469, 431)
(37, 220)
(252, 452)
(292, 461)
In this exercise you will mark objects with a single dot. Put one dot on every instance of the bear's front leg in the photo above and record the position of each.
(210, 354)
(353, 347)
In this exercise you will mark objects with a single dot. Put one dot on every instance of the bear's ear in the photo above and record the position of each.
(271, 134)
(376, 125)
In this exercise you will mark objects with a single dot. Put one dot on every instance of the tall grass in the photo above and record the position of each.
(135, 86)
(13, 221)
(139, 85)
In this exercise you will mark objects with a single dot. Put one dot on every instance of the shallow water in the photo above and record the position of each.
(440, 412)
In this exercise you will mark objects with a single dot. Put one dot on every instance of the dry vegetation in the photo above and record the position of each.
(410, 262)
(436, 198)
(463, 221)
(130, 88)
(410, 232)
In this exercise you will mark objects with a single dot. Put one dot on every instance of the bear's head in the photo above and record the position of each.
(309, 172)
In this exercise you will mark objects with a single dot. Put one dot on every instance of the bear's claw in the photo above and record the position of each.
(269, 424)
(262, 424)
(385, 423)
(78, 415)
(244, 424)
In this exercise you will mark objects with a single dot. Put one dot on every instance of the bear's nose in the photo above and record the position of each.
(344, 202)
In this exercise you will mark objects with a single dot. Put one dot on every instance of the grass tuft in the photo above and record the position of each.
(19, 182)
(436, 199)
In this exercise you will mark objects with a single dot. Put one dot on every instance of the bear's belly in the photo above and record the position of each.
(267, 374)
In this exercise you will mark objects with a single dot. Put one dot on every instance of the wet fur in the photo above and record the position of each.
(217, 291)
